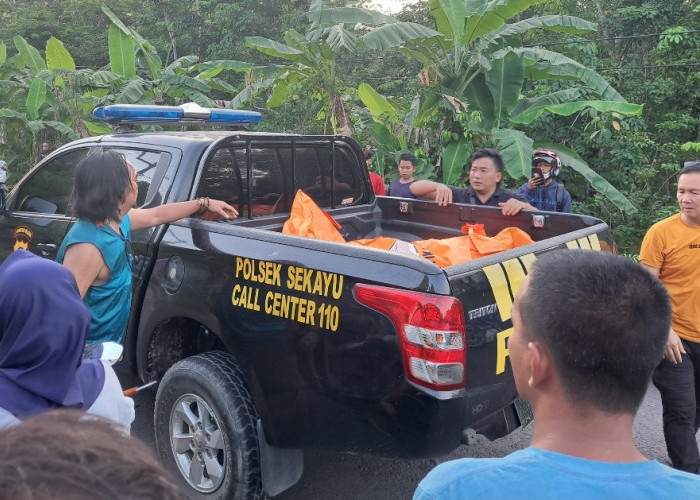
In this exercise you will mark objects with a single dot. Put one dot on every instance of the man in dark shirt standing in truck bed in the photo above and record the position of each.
(484, 179)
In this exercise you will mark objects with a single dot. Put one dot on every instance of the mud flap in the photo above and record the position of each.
(281, 468)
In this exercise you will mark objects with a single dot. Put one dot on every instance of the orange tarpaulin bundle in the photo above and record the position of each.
(381, 242)
(307, 219)
(450, 251)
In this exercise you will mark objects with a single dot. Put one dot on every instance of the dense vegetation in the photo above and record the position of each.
(613, 86)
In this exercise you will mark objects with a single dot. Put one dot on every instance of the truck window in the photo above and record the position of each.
(313, 174)
(225, 177)
(49, 189)
(222, 179)
(267, 182)
(147, 164)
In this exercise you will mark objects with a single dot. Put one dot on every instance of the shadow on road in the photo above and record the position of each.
(353, 477)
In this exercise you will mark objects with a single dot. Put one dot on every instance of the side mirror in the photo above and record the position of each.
(39, 205)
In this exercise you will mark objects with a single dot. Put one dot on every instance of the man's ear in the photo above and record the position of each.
(541, 364)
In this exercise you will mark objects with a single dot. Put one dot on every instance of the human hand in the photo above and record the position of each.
(514, 207)
(534, 182)
(443, 195)
(674, 348)
(222, 209)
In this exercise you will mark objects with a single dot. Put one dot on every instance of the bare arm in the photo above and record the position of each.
(432, 191)
(149, 217)
(85, 261)
(674, 347)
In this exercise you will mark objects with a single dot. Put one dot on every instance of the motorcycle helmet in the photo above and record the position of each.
(549, 157)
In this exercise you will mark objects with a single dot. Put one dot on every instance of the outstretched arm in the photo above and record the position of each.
(142, 218)
(432, 191)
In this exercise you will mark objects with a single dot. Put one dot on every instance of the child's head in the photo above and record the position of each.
(407, 167)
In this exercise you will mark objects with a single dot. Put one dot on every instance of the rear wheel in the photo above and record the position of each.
(205, 428)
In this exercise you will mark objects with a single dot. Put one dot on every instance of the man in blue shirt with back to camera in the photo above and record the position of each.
(542, 190)
(589, 328)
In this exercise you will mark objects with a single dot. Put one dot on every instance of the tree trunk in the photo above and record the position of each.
(601, 21)
(169, 27)
(201, 49)
(340, 116)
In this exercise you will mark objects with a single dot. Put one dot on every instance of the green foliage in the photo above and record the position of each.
(463, 95)
(474, 63)
(47, 98)
(311, 59)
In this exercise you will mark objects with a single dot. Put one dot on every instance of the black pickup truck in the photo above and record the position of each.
(265, 344)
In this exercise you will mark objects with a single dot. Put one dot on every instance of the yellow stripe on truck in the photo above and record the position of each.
(505, 280)
(595, 242)
(501, 290)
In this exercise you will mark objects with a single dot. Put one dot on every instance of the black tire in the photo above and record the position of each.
(205, 429)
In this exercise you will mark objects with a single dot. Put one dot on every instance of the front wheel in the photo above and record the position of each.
(205, 428)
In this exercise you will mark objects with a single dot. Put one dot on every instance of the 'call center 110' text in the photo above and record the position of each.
(282, 304)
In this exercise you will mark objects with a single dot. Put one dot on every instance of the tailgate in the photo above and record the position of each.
(486, 288)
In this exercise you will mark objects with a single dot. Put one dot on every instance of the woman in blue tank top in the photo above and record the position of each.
(97, 249)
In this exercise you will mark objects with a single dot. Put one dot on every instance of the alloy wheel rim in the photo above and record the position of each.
(197, 443)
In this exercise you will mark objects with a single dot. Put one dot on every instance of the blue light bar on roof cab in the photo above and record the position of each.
(189, 112)
(237, 116)
(116, 113)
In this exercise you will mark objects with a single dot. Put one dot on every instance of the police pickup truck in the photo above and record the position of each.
(266, 344)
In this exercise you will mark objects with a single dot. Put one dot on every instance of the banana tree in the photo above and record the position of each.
(478, 64)
(310, 59)
(142, 79)
(50, 96)
(38, 95)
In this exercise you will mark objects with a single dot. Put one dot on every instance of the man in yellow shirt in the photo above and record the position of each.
(671, 251)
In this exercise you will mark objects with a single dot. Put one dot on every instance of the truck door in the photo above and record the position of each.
(35, 214)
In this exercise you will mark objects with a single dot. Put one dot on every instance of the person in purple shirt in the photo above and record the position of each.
(401, 187)
(43, 328)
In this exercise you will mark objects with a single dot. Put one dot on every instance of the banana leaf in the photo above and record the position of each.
(122, 60)
(569, 108)
(378, 106)
(572, 160)
(516, 148)
(57, 57)
(453, 160)
(31, 57)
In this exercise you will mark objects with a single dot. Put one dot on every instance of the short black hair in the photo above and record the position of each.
(605, 321)
(367, 152)
(408, 157)
(69, 454)
(495, 155)
(101, 181)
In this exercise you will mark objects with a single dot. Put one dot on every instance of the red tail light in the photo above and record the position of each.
(431, 330)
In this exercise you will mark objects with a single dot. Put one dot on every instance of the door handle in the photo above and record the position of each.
(46, 248)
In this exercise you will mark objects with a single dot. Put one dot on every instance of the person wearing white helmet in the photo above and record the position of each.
(542, 190)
